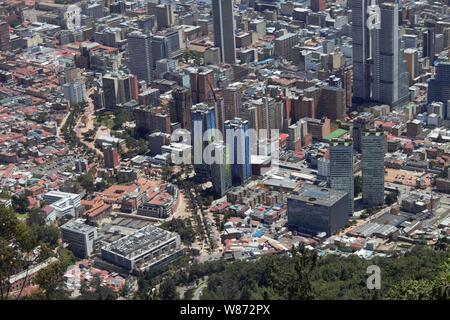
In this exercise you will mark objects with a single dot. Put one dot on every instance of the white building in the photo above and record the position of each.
(64, 203)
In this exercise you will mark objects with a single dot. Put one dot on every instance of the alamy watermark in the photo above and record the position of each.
(374, 280)
(374, 19)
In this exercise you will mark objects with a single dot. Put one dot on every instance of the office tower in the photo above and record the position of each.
(341, 169)
(221, 172)
(439, 86)
(238, 143)
(314, 209)
(363, 122)
(80, 237)
(203, 124)
(390, 78)
(331, 103)
(117, 88)
(111, 157)
(372, 144)
(4, 36)
(165, 45)
(231, 102)
(318, 5)
(164, 16)
(140, 55)
(361, 51)
(182, 104)
(224, 26)
(202, 81)
(429, 40)
(75, 92)
(412, 64)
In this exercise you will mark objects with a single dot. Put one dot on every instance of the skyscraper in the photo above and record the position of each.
(390, 78)
(439, 86)
(331, 103)
(221, 172)
(203, 124)
(341, 169)
(238, 141)
(4, 36)
(202, 82)
(164, 16)
(361, 51)
(372, 142)
(118, 89)
(182, 107)
(224, 26)
(140, 55)
(363, 122)
(231, 102)
(429, 40)
(412, 64)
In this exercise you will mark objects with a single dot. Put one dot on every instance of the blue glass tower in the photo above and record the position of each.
(237, 139)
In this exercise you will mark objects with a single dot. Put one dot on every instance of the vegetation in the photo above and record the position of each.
(182, 227)
(420, 273)
(391, 198)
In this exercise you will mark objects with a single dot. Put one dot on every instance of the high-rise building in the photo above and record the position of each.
(164, 16)
(117, 88)
(297, 133)
(221, 172)
(363, 122)
(111, 157)
(231, 102)
(341, 169)
(361, 50)
(151, 119)
(412, 64)
(75, 92)
(224, 26)
(237, 139)
(203, 127)
(80, 237)
(313, 210)
(429, 40)
(331, 103)
(390, 78)
(373, 146)
(165, 45)
(140, 55)
(5, 44)
(182, 104)
(439, 86)
(202, 82)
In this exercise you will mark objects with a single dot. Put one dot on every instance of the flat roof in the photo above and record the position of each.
(317, 195)
(336, 134)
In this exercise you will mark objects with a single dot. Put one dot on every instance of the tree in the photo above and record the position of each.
(390, 198)
(168, 290)
(87, 182)
(20, 203)
(49, 279)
